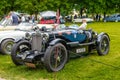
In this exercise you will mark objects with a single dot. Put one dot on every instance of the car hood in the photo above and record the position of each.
(45, 25)
(2, 28)
(24, 27)
(11, 33)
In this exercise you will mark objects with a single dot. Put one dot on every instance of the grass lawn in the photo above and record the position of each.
(92, 67)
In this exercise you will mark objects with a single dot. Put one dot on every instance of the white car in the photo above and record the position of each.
(5, 24)
(51, 26)
(26, 26)
(80, 19)
(7, 39)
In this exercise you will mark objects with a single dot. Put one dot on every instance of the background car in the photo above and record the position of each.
(80, 19)
(7, 37)
(114, 17)
(51, 20)
(50, 26)
(7, 25)
(26, 26)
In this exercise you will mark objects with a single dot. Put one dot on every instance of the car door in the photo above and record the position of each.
(112, 18)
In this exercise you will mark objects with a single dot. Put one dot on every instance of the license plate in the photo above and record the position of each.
(30, 65)
(80, 50)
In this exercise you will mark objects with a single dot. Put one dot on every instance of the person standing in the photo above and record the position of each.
(33, 18)
(15, 19)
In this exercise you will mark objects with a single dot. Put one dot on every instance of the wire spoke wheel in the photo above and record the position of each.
(103, 46)
(19, 49)
(55, 57)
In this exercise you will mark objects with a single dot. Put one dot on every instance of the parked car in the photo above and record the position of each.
(80, 19)
(7, 25)
(51, 20)
(50, 26)
(53, 48)
(26, 26)
(114, 17)
(7, 37)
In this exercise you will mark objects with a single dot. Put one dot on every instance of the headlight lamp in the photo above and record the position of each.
(27, 35)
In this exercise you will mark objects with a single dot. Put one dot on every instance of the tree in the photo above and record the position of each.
(35, 6)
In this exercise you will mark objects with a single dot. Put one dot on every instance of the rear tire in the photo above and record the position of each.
(19, 48)
(55, 57)
(103, 46)
(6, 46)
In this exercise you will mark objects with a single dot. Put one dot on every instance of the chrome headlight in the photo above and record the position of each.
(45, 36)
(27, 35)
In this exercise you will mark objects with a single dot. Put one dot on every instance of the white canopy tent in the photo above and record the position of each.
(48, 13)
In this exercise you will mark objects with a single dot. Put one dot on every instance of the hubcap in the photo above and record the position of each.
(8, 48)
(104, 45)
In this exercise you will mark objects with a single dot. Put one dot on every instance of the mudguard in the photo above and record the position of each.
(22, 40)
(58, 40)
(19, 39)
(100, 36)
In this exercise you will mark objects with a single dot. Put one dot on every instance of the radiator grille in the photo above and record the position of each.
(36, 41)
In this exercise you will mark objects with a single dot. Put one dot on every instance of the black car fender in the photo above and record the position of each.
(23, 40)
(20, 39)
(99, 36)
(17, 40)
(58, 40)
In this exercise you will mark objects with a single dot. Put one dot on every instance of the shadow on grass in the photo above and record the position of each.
(84, 55)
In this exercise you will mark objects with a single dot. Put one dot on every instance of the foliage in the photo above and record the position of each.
(35, 6)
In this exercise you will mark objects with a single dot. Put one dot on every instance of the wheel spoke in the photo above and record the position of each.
(22, 49)
(57, 57)
(104, 45)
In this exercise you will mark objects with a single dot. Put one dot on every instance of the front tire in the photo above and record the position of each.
(6, 46)
(55, 57)
(103, 46)
(19, 48)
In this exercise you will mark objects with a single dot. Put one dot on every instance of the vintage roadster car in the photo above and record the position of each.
(53, 48)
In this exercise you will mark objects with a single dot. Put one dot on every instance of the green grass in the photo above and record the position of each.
(92, 67)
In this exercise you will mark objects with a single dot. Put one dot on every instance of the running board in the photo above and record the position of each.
(80, 44)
